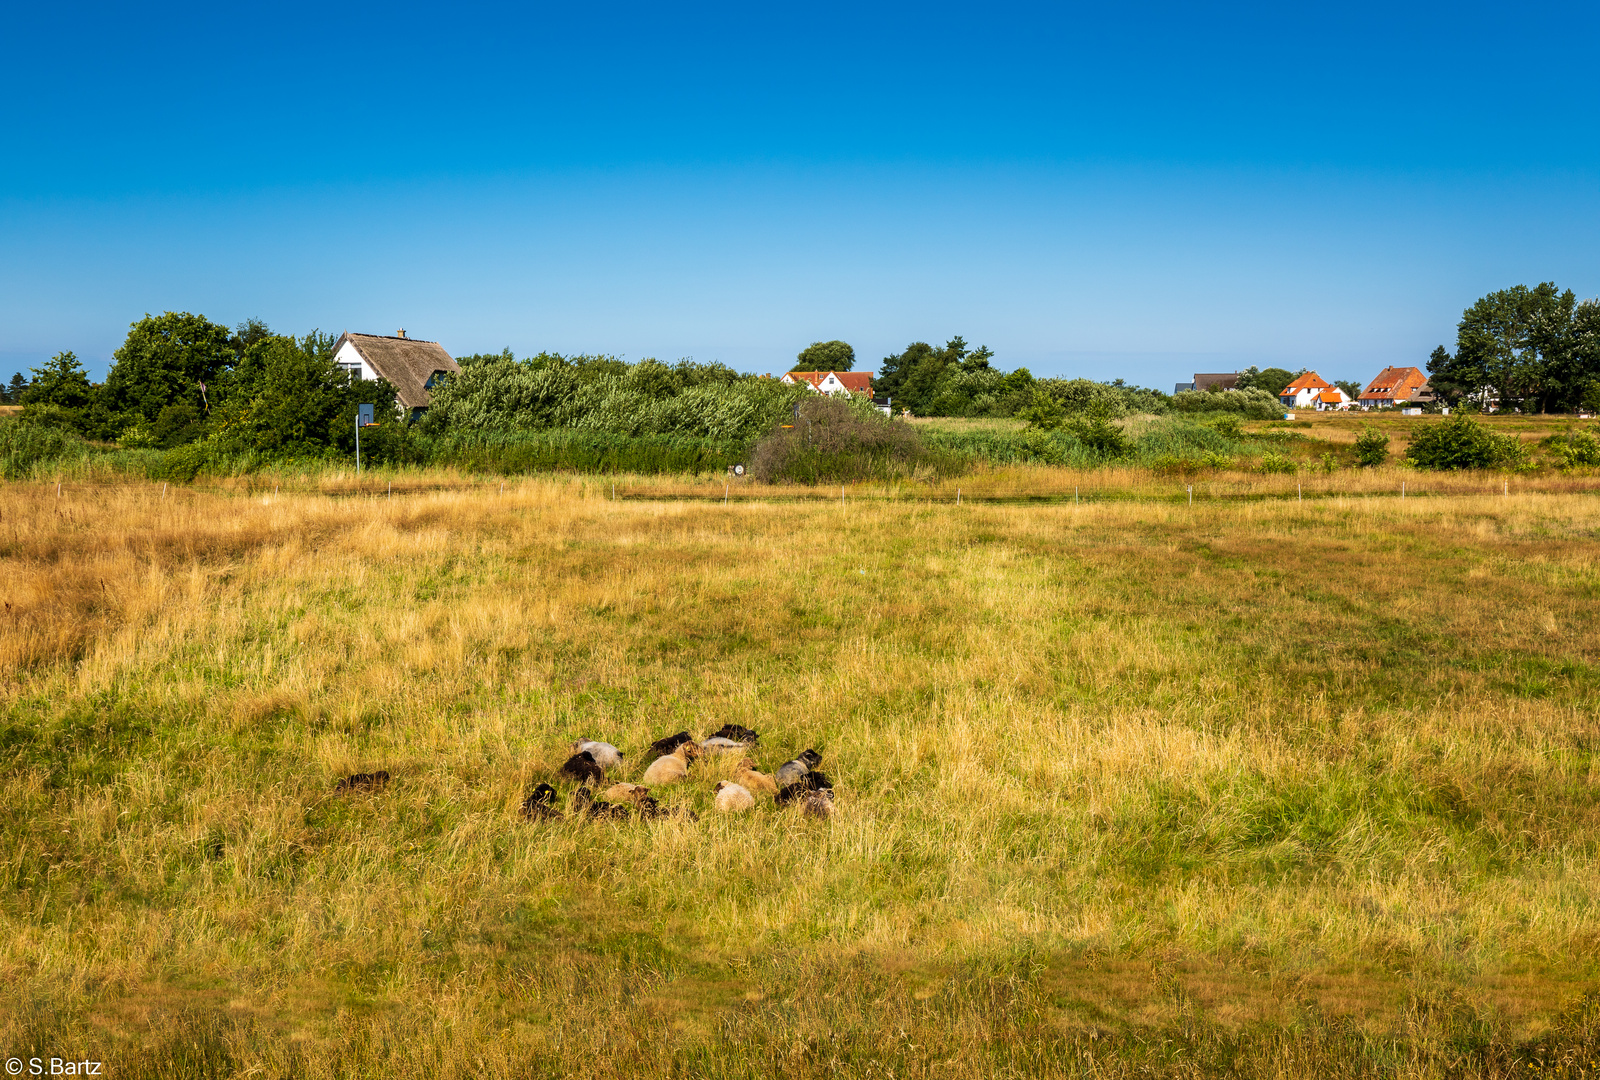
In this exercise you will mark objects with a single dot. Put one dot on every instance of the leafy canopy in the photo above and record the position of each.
(165, 361)
(826, 356)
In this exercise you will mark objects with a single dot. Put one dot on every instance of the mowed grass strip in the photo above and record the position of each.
(1259, 783)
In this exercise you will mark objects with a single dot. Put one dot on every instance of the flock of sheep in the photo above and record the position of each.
(796, 782)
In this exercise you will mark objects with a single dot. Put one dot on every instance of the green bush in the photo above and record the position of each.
(1463, 443)
(26, 446)
(1274, 462)
(835, 440)
(1575, 450)
(1372, 447)
(1248, 404)
(602, 394)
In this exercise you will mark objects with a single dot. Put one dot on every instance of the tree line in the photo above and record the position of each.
(1537, 350)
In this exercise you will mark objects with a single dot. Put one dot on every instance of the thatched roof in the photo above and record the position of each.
(406, 363)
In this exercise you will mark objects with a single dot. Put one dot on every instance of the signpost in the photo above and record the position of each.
(363, 419)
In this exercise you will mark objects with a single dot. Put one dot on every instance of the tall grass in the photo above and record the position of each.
(1252, 788)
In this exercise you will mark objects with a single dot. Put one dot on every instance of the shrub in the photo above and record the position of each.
(835, 440)
(1100, 435)
(1575, 449)
(1274, 462)
(1463, 443)
(1248, 404)
(1372, 447)
(25, 445)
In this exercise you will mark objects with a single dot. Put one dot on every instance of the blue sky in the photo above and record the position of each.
(1139, 191)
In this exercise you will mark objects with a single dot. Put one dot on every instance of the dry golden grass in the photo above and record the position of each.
(1262, 786)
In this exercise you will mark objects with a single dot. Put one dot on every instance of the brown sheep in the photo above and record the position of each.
(673, 766)
(757, 783)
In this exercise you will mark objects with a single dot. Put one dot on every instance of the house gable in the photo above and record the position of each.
(412, 367)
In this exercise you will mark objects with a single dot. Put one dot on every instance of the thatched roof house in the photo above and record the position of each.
(410, 366)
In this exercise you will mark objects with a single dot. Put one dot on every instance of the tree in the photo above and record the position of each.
(13, 395)
(166, 360)
(289, 398)
(912, 378)
(826, 356)
(1515, 344)
(60, 381)
(1350, 387)
(1272, 379)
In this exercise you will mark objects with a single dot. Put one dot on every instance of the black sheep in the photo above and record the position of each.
(663, 747)
(582, 768)
(541, 804)
(364, 781)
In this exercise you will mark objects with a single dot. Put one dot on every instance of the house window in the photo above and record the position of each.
(351, 366)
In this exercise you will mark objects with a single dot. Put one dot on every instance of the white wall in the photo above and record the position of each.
(347, 354)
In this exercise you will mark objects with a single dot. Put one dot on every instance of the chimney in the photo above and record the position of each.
(400, 332)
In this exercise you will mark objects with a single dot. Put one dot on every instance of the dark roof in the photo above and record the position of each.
(406, 363)
(1228, 380)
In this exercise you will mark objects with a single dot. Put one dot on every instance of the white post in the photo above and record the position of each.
(502, 487)
(1300, 490)
(1191, 494)
(958, 496)
(58, 489)
(1074, 496)
(391, 489)
(725, 493)
(358, 441)
(163, 491)
(841, 494)
(1402, 489)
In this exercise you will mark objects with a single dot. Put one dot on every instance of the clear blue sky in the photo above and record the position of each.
(1137, 190)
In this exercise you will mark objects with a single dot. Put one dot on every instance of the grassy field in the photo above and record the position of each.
(1128, 787)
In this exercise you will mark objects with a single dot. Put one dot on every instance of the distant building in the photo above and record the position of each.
(1227, 380)
(1394, 385)
(833, 382)
(412, 367)
(1181, 387)
(1304, 392)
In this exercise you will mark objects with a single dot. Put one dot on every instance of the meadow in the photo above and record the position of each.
(1295, 779)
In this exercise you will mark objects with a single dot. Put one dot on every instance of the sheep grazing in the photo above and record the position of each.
(582, 768)
(732, 797)
(663, 747)
(793, 770)
(363, 781)
(541, 804)
(649, 808)
(584, 802)
(625, 792)
(757, 783)
(795, 792)
(737, 733)
(605, 755)
(818, 804)
(673, 766)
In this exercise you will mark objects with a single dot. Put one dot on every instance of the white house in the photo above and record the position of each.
(833, 382)
(1311, 391)
(412, 367)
